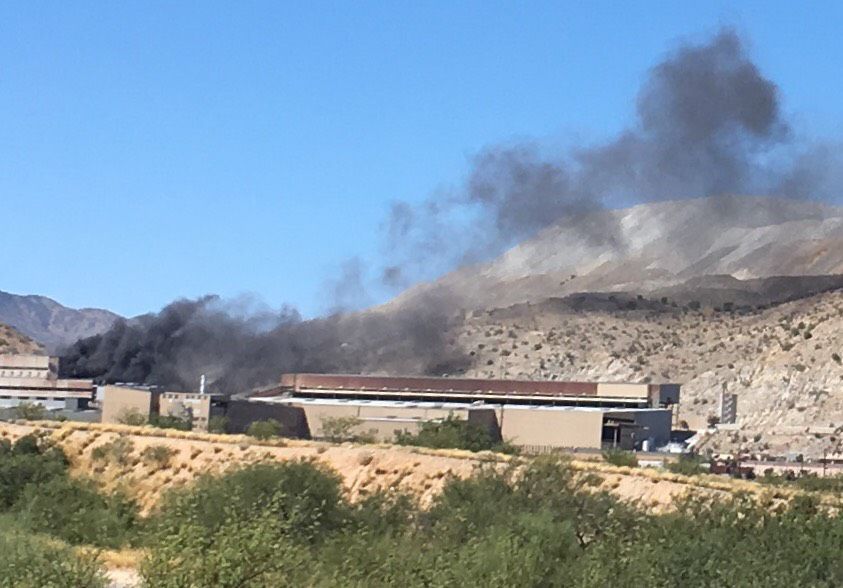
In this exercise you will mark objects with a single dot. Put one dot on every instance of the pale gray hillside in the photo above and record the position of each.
(49, 323)
(657, 246)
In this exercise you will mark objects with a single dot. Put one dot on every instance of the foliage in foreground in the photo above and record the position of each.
(36, 490)
(541, 526)
(27, 561)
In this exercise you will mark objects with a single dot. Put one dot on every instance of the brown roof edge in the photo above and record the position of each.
(400, 383)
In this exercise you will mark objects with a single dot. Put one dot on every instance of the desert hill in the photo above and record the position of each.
(12, 341)
(783, 361)
(656, 246)
(49, 323)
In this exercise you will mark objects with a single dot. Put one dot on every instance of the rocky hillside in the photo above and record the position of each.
(50, 323)
(783, 361)
(657, 246)
(13, 342)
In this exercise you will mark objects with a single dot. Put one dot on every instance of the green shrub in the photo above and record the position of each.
(133, 417)
(307, 498)
(339, 429)
(157, 455)
(74, 511)
(619, 457)
(30, 411)
(164, 421)
(453, 433)
(30, 562)
(687, 465)
(253, 551)
(218, 424)
(264, 429)
(118, 451)
(29, 461)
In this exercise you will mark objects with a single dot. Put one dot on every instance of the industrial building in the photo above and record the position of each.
(119, 402)
(530, 414)
(35, 379)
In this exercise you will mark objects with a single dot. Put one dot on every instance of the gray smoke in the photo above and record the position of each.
(189, 338)
(707, 122)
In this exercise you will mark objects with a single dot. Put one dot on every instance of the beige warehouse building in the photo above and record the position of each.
(35, 379)
(529, 414)
(121, 402)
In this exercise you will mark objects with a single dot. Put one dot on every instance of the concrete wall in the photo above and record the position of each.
(623, 390)
(382, 422)
(185, 405)
(119, 401)
(552, 428)
(28, 366)
(657, 422)
(242, 413)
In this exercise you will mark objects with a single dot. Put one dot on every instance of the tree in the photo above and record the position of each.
(338, 429)
(30, 411)
(264, 429)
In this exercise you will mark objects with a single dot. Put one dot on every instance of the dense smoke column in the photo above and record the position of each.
(189, 338)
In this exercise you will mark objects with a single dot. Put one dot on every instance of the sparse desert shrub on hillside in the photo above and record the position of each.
(157, 455)
(619, 457)
(118, 451)
(30, 562)
(264, 429)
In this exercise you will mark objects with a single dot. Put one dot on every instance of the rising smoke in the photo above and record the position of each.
(189, 338)
(707, 122)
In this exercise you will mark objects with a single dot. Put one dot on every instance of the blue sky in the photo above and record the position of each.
(150, 151)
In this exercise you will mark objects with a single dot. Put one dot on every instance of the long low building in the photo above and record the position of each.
(548, 414)
(34, 379)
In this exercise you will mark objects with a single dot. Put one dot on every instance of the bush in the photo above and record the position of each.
(453, 433)
(218, 424)
(238, 552)
(30, 411)
(118, 451)
(164, 421)
(618, 457)
(339, 429)
(264, 429)
(306, 497)
(157, 455)
(29, 461)
(133, 417)
(29, 562)
(687, 465)
(74, 511)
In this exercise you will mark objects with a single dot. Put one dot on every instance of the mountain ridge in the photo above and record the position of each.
(655, 245)
(50, 323)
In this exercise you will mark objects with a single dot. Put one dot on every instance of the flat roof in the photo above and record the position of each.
(346, 383)
(440, 405)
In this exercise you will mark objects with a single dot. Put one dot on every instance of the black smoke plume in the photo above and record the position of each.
(189, 338)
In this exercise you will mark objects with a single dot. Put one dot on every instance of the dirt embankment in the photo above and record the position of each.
(132, 458)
